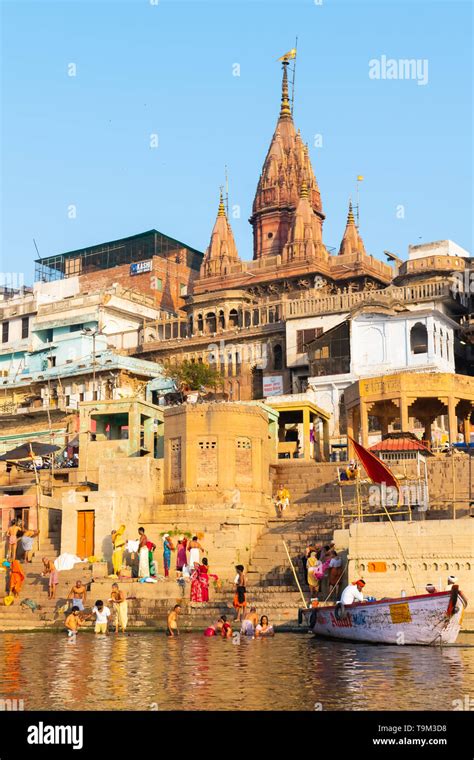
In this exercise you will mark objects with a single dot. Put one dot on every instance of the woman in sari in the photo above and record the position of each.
(117, 597)
(197, 583)
(17, 577)
(205, 575)
(311, 565)
(181, 558)
(143, 560)
(167, 549)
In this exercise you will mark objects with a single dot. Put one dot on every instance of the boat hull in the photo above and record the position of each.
(415, 620)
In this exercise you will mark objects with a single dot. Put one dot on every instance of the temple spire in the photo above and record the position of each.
(285, 110)
(351, 242)
(221, 253)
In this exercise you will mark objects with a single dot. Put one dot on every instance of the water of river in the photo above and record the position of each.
(148, 671)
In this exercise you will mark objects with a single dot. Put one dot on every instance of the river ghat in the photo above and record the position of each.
(149, 671)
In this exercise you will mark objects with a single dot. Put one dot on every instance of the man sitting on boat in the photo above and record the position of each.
(353, 593)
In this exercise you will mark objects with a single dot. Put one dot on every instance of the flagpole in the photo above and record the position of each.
(385, 508)
(293, 79)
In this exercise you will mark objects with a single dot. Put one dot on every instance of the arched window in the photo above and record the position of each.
(419, 339)
(200, 323)
(435, 339)
(211, 322)
(233, 318)
(277, 357)
(222, 320)
(441, 339)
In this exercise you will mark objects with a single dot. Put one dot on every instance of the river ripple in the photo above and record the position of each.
(143, 671)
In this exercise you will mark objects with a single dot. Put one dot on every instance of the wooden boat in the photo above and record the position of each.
(427, 619)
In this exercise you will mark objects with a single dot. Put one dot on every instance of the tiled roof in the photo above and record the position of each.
(400, 444)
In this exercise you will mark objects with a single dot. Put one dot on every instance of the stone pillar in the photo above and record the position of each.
(149, 434)
(452, 420)
(383, 425)
(467, 428)
(306, 429)
(134, 420)
(326, 451)
(350, 432)
(427, 432)
(364, 422)
(404, 422)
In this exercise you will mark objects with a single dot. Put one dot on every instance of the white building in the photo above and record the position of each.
(369, 342)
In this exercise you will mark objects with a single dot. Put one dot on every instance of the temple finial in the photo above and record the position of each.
(285, 110)
(221, 211)
(350, 215)
(304, 190)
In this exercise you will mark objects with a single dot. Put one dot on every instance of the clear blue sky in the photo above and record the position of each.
(167, 69)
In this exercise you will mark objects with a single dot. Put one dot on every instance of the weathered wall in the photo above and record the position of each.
(129, 489)
(433, 550)
(172, 271)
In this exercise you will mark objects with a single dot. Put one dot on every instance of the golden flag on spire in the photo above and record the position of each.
(288, 56)
(359, 178)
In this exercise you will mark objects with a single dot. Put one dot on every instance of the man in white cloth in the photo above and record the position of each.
(353, 593)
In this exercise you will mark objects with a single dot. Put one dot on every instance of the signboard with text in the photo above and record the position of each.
(272, 385)
(140, 267)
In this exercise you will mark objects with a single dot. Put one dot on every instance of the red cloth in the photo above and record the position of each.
(377, 471)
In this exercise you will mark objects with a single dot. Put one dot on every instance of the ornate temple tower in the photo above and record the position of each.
(286, 167)
(351, 241)
(222, 251)
(305, 241)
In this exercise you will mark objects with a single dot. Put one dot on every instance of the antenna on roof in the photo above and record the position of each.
(34, 241)
(226, 191)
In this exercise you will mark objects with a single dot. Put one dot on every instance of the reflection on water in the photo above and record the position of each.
(147, 671)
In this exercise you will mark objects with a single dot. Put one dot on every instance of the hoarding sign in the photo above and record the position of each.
(272, 385)
(140, 267)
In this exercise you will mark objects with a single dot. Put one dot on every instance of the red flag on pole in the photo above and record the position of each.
(377, 471)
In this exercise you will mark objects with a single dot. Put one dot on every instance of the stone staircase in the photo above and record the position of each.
(17, 617)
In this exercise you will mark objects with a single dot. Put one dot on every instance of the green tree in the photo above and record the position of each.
(194, 375)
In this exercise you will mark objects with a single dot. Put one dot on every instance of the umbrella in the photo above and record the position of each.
(27, 449)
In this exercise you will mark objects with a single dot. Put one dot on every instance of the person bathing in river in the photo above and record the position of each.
(72, 623)
(224, 628)
(173, 629)
(120, 606)
(249, 623)
(264, 628)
